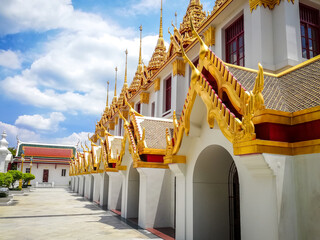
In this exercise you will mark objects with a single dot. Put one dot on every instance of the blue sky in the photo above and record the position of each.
(56, 57)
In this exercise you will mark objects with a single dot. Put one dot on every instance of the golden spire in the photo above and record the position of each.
(175, 15)
(115, 88)
(125, 75)
(107, 93)
(140, 60)
(160, 30)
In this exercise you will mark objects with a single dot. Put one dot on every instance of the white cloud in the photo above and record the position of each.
(14, 131)
(25, 135)
(9, 59)
(71, 75)
(39, 122)
(141, 7)
(73, 139)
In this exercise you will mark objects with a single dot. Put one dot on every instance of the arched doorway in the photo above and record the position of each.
(84, 185)
(133, 195)
(234, 203)
(91, 187)
(215, 198)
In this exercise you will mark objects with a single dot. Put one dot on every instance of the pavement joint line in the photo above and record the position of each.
(59, 215)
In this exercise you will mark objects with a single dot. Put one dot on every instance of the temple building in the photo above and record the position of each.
(48, 162)
(218, 137)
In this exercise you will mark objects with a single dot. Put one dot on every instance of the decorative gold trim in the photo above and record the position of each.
(153, 151)
(144, 97)
(178, 67)
(122, 168)
(141, 164)
(231, 127)
(266, 3)
(116, 120)
(209, 36)
(305, 63)
(125, 114)
(287, 118)
(282, 148)
(174, 159)
(111, 125)
(157, 84)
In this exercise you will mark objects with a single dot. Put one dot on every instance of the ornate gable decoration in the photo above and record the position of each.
(266, 3)
(232, 127)
(197, 16)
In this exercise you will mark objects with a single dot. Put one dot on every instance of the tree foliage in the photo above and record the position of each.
(17, 175)
(5, 179)
(12, 150)
(26, 177)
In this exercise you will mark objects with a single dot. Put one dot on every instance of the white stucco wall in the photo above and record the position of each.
(115, 190)
(155, 198)
(54, 173)
(96, 188)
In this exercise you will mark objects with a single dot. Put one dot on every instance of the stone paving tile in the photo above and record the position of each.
(58, 214)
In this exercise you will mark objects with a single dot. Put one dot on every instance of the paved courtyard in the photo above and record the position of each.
(59, 214)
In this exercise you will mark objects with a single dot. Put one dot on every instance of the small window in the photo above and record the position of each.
(153, 109)
(167, 93)
(309, 26)
(235, 43)
(63, 173)
(138, 107)
(27, 170)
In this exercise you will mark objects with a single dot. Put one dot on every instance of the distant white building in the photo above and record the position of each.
(49, 163)
(5, 154)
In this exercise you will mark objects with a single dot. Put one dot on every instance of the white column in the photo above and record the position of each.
(76, 187)
(104, 188)
(178, 92)
(114, 195)
(258, 199)
(96, 188)
(155, 198)
(124, 190)
(179, 171)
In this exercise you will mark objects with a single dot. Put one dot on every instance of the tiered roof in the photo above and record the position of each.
(45, 153)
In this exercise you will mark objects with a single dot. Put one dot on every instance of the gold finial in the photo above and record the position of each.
(115, 88)
(107, 93)
(140, 59)
(160, 30)
(125, 75)
(175, 15)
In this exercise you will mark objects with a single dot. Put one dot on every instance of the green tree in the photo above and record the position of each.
(5, 179)
(26, 177)
(17, 175)
(12, 150)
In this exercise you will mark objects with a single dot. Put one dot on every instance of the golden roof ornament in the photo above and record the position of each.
(125, 84)
(140, 58)
(115, 87)
(159, 54)
(107, 93)
(126, 72)
(138, 78)
(218, 4)
(196, 13)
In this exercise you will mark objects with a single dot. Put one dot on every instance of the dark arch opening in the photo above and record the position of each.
(234, 203)
(216, 206)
